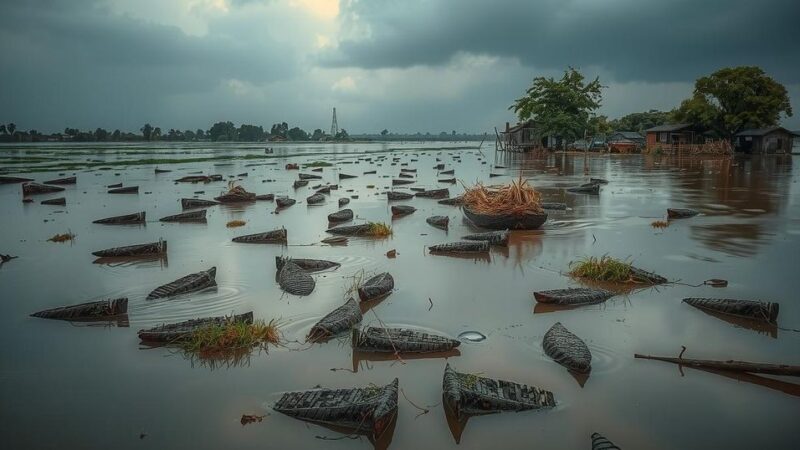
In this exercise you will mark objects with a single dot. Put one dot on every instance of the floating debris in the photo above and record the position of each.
(98, 310)
(235, 223)
(472, 336)
(341, 216)
(68, 236)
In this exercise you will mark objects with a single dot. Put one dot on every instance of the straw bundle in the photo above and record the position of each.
(518, 198)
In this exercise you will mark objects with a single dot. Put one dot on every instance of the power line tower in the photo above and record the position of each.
(334, 125)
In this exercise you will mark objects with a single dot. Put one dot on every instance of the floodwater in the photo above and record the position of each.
(93, 387)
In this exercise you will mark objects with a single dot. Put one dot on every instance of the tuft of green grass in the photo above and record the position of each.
(235, 223)
(231, 336)
(68, 236)
(379, 229)
(660, 224)
(604, 268)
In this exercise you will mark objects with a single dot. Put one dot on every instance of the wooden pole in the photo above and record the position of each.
(730, 365)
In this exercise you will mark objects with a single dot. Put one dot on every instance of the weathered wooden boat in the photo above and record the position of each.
(189, 203)
(115, 185)
(406, 169)
(309, 265)
(265, 197)
(278, 235)
(243, 174)
(440, 222)
(125, 190)
(343, 201)
(14, 180)
(399, 182)
(162, 170)
(367, 411)
(99, 310)
(434, 193)
(292, 166)
(240, 196)
(324, 190)
(336, 322)
(447, 180)
(439, 166)
(68, 180)
(335, 240)
(598, 181)
(284, 202)
(567, 349)
(362, 229)
(152, 248)
(194, 179)
(554, 206)
(190, 283)
(295, 280)
(447, 172)
(344, 176)
(461, 247)
(317, 169)
(191, 216)
(400, 340)
(643, 276)
(60, 201)
(376, 287)
(417, 189)
(126, 219)
(454, 201)
(31, 188)
(394, 195)
(507, 221)
(402, 210)
(586, 188)
(749, 309)
(176, 332)
(308, 176)
(681, 213)
(468, 394)
(573, 296)
(405, 175)
(499, 237)
(215, 177)
(341, 216)
(315, 199)
(370, 172)
(299, 183)
(599, 442)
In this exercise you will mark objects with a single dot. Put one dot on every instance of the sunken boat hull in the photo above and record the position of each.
(644, 276)
(573, 296)
(176, 332)
(681, 213)
(316, 199)
(492, 237)
(401, 181)
(192, 216)
(749, 309)
(567, 349)
(127, 219)
(402, 210)
(14, 180)
(31, 188)
(336, 322)
(454, 201)
(270, 237)
(285, 202)
(344, 215)
(434, 193)
(295, 280)
(236, 197)
(100, 310)
(184, 285)
(588, 188)
(351, 230)
(554, 206)
(189, 203)
(400, 340)
(68, 180)
(376, 287)
(440, 222)
(125, 190)
(152, 248)
(600, 442)
(461, 247)
(507, 221)
(309, 265)
(308, 176)
(61, 201)
(394, 195)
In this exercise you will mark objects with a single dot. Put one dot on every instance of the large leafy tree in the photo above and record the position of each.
(222, 131)
(641, 121)
(297, 134)
(735, 98)
(251, 133)
(560, 108)
(147, 131)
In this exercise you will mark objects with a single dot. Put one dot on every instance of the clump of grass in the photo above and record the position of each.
(68, 236)
(517, 198)
(235, 223)
(605, 268)
(379, 229)
(660, 224)
(232, 336)
(318, 164)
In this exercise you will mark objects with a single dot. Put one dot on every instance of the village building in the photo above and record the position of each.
(764, 140)
(625, 142)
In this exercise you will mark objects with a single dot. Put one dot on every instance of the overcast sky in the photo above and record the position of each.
(405, 65)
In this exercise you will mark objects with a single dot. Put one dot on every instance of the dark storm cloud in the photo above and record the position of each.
(634, 40)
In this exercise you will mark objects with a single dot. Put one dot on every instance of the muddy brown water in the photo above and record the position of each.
(80, 386)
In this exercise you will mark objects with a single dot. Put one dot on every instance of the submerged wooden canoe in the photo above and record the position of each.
(269, 237)
(190, 283)
(285, 202)
(336, 322)
(126, 219)
(341, 216)
(461, 247)
(376, 287)
(175, 332)
(554, 206)
(499, 237)
(68, 180)
(152, 248)
(599, 442)
(350, 230)
(440, 222)
(402, 210)
(573, 296)
(567, 349)
(681, 213)
(367, 411)
(30, 188)
(265, 197)
(324, 190)
(315, 199)
(60, 201)
(295, 280)
(189, 203)
(749, 309)
(644, 276)
(125, 190)
(299, 183)
(406, 169)
(434, 193)
(405, 175)
(400, 340)
(394, 195)
(469, 394)
(454, 201)
(506, 222)
(343, 201)
(13, 180)
(191, 216)
(87, 311)
(308, 176)
(344, 176)
(587, 188)
(236, 197)
(309, 265)
(447, 180)
(399, 182)
(447, 172)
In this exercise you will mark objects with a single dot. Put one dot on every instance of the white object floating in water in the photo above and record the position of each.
(471, 336)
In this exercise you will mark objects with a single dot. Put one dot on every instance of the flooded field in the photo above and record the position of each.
(93, 386)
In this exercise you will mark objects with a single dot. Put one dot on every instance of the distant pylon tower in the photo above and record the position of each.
(334, 125)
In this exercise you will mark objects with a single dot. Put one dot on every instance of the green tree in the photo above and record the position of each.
(189, 135)
(222, 131)
(297, 134)
(12, 127)
(384, 132)
(200, 134)
(560, 108)
(279, 129)
(156, 133)
(251, 133)
(116, 135)
(735, 98)
(3, 129)
(147, 131)
(599, 125)
(342, 135)
(100, 134)
(641, 121)
(318, 134)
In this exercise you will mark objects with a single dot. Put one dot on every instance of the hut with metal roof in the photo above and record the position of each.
(764, 140)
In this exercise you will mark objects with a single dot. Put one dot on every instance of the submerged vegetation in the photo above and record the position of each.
(235, 223)
(379, 229)
(660, 224)
(232, 336)
(68, 236)
(604, 268)
(517, 198)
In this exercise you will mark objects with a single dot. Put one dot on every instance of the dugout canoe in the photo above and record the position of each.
(461, 247)
(598, 181)
(376, 287)
(125, 190)
(316, 199)
(469, 394)
(335, 240)
(405, 175)
(299, 183)
(265, 197)
(194, 179)
(447, 172)
(573, 296)
(400, 340)
(284, 202)
(402, 210)
(295, 280)
(567, 349)
(507, 221)
(68, 180)
(340, 216)
(60, 201)
(440, 222)
(309, 265)
(600, 442)
(14, 180)
(586, 188)
(681, 213)
(190, 283)
(162, 170)
(434, 193)
(399, 182)
(394, 195)
(554, 206)
(367, 411)
(454, 201)
(643, 276)
(405, 169)
(126, 219)
(499, 237)
(362, 229)
(336, 322)
(152, 248)
(189, 203)
(236, 197)
(308, 176)
(31, 188)
(176, 332)
(344, 176)
(278, 235)
(343, 201)
(99, 310)
(749, 309)
(447, 180)
(370, 172)
(324, 190)
(191, 216)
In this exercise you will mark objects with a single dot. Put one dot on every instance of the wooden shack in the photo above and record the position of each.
(764, 140)
(625, 142)
(671, 135)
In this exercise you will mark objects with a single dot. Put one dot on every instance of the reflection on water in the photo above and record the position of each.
(746, 233)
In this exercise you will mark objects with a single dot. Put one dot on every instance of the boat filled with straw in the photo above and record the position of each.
(512, 206)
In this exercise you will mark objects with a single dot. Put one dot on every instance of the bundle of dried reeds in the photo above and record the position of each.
(517, 198)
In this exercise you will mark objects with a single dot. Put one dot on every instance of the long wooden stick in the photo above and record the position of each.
(730, 365)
